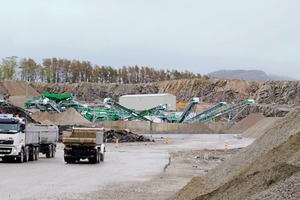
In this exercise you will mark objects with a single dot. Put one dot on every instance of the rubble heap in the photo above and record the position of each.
(124, 136)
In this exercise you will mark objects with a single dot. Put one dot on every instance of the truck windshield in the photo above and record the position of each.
(9, 128)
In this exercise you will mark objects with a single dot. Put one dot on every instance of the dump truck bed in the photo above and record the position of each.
(41, 134)
(84, 136)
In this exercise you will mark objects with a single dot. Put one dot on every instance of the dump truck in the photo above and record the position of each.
(22, 142)
(84, 143)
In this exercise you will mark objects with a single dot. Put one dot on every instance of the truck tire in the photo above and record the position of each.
(101, 157)
(20, 159)
(26, 155)
(98, 157)
(33, 154)
(93, 159)
(37, 153)
(48, 153)
(67, 160)
(53, 151)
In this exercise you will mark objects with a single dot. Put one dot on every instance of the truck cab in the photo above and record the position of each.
(12, 138)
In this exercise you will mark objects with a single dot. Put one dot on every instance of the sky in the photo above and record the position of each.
(200, 36)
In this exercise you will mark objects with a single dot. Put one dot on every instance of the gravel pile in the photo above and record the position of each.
(124, 136)
(68, 117)
(260, 127)
(245, 123)
(269, 168)
(19, 88)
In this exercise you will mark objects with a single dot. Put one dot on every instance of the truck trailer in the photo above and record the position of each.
(22, 142)
(84, 143)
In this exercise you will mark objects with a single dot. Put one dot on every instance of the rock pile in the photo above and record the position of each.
(245, 123)
(68, 117)
(11, 109)
(124, 136)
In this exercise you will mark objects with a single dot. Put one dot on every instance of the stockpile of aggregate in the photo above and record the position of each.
(19, 88)
(124, 136)
(68, 117)
(269, 168)
(246, 123)
(197, 127)
(260, 127)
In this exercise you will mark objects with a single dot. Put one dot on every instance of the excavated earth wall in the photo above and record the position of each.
(273, 98)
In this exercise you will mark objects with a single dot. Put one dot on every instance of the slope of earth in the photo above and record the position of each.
(260, 127)
(20, 88)
(245, 123)
(269, 168)
(68, 117)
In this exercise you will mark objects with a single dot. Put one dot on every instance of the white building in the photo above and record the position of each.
(140, 102)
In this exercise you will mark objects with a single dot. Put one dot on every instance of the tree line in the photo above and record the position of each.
(57, 70)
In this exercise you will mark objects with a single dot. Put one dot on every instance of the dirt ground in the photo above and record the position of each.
(183, 165)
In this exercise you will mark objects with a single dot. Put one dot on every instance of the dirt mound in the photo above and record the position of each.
(269, 168)
(260, 127)
(124, 136)
(197, 127)
(20, 88)
(245, 123)
(6, 108)
(68, 117)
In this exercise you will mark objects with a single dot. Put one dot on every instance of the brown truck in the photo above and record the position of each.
(84, 143)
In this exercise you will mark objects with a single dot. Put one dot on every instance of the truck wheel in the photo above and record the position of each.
(20, 159)
(26, 155)
(93, 159)
(53, 151)
(101, 157)
(33, 157)
(48, 153)
(37, 153)
(98, 157)
(67, 160)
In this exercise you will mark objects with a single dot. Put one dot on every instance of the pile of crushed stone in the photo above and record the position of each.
(269, 168)
(260, 127)
(19, 88)
(124, 136)
(245, 123)
(68, 117)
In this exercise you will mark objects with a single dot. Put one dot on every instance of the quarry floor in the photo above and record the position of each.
(152, 170)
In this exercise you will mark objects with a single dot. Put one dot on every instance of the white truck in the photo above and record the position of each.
(22, 142)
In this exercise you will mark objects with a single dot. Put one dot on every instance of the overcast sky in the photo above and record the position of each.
(197, 35)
